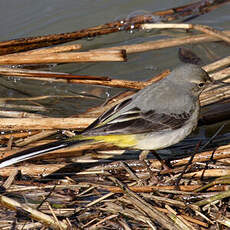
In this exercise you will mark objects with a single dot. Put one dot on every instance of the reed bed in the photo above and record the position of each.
(100, 186)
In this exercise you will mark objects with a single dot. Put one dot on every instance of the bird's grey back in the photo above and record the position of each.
(164, 97)
(170, 95)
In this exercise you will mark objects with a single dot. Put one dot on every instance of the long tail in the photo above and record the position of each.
(38, 151)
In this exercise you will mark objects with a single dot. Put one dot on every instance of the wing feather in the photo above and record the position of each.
(135, 121)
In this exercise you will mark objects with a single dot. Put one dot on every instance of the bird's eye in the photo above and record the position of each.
(201, 85)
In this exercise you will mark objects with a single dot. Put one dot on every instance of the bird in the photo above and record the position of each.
(155, 117)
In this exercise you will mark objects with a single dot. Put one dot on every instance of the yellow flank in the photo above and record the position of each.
(122, 140)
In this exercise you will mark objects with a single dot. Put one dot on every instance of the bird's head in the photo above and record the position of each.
(191, 78)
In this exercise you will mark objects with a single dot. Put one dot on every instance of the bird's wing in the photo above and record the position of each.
(133, 120)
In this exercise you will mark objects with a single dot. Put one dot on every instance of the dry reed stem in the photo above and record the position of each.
(90, 56)
(32, 213)
(100, 199)
(179, 220)
(189, 218)
(34, 170)
(221, 75)
(110, 83)
(211, 31)
(22, 107)
(16, 114)
(223, 220)
(167, 43)
(97, 225)
(146, 208)
(18, 135)
(220, 153)
(56, 76)
(44, 123)
(112, 207)
(45, 74)
(216, 93)
(4, 100)
(36, 137)
(208, 173)
(205, 29)
(160, 44)
(217, 64)
(170, 189)
(211, 199)
(10, 179)
(195, 221)
(59, 224)
(163, 188)
(49, 50)
(167, 188)
(94, 80)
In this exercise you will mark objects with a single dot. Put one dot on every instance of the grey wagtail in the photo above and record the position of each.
(160, 115)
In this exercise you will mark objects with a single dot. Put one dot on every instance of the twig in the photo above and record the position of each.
(6, 185)
(223, 220)
(179, 220)
(146, 208)
(100, 199)
(211, 199)
(212, 138)
(168, 42)
(49, 50)
(95, 226)
(18, 135)
(217, 64)
(44, 123)
(90, 56)
(36, 137)
(215, 93)
(55, 218)
(95, 80)
(162, 188)
(220, 152)
(45, 74)
(16, 114)
(33, 213)
(208, 173)
(218, 181)
(186, 167)
(205, 29)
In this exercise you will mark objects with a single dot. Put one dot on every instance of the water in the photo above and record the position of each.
(33, 18)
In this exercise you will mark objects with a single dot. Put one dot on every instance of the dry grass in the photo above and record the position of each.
(100, 187)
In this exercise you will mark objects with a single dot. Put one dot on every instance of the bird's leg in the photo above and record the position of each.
(164, 164)
(144, 154)
(143, 157)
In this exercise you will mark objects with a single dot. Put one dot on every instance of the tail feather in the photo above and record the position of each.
(38, 151)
